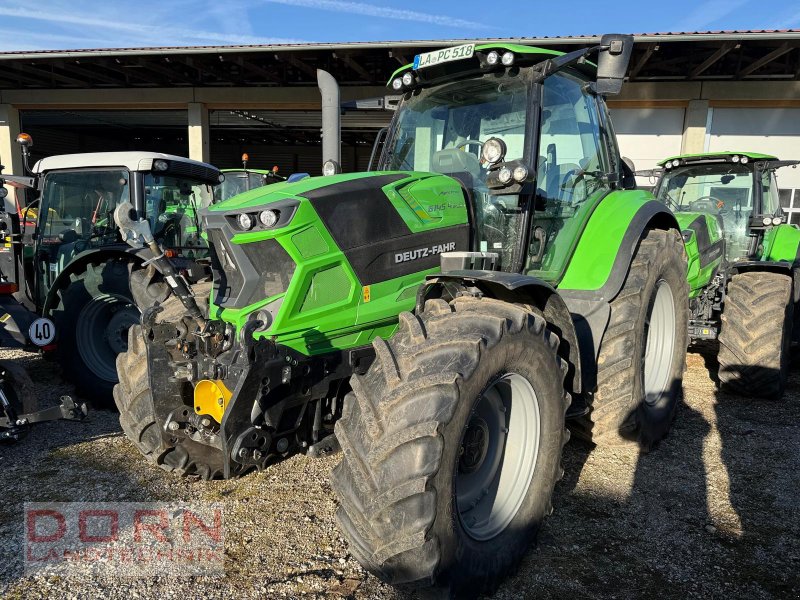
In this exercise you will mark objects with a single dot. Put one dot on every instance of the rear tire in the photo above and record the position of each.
(422, 434)
(643, 351)
(134, 399)
(92, 318)
(755, 334)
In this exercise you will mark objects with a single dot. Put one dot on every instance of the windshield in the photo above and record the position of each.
(238, 182)
(171, 205)
(442, 130)
(723, 190)
(80, 204)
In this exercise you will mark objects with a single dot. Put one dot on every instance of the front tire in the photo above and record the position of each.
(137, 416)
(643, 352)
(92, 318)
(756, 333)
(452, 445)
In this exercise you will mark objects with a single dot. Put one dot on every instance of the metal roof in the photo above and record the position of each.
(751, 54)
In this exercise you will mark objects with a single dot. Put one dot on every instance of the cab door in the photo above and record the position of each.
(573, 172)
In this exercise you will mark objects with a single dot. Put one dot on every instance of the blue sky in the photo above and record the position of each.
(61, 24)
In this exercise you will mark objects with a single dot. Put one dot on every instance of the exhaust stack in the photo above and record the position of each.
(331, 126)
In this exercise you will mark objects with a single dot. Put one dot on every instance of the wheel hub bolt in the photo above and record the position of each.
(243, 453)
(173, 426)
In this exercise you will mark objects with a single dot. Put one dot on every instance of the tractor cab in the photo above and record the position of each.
(78, 194)
(526, 133)
(239, 181)
(735, 192)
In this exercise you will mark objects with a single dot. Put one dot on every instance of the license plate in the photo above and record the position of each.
(437, 57)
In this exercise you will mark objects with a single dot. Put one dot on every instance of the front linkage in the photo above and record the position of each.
(297, 398)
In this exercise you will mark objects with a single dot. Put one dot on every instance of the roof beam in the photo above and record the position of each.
(171, 74)
(59, 76)
(399, 57)
(89, 74)
(299, 64)
(650, 48)
(20, 74)
(765, 60)
(258, 70)
(715, 57)
(354, 66)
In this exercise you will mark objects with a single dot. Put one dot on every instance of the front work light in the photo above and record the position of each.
(397, 84)
(505, 175)
(520, 173)
(268, 218)
(160, 165)
(408, 79)
(245, 221)
(331, 167)
(493, 151)
(508, 59)
(492, 58)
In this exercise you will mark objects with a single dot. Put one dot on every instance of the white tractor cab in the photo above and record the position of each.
(71, 265)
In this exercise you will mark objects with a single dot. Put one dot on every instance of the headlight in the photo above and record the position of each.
(397, 84)
(744, 160)
(245, 221)
(331, 167)
(268, 218)
(676, 163)
(520, 173)
(735, 158)
(493, 151)
(505, 175)
(777, 220)
(160, 165)
(492, 58)
(408, 79)
(508, 59)
(221, 177)
(767, 220)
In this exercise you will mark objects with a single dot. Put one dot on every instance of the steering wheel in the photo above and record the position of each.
(702, 205)
(468, 142)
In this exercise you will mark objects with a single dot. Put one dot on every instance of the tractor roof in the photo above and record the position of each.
(457, 67)
(133, 161)
(716, 157)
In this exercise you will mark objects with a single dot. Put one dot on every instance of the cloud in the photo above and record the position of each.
(370, 10)
(706, 14)
(139, 34)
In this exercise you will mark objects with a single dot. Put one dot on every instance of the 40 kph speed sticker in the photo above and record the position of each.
(42, 331)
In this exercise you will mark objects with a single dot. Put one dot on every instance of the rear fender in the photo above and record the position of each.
(135, 256)
(517, 289)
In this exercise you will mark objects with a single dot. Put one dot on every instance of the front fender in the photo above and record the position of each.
(604, 252)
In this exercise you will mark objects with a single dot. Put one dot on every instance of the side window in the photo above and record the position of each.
(572, 161)
(769, 193)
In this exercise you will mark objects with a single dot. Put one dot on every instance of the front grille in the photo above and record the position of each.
(248, 273)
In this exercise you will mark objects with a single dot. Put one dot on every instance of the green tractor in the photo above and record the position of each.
(238, 181)
(73, 268)
(438, 318)
(744, 282)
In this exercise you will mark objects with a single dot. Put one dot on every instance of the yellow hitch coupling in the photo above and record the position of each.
(211, 398)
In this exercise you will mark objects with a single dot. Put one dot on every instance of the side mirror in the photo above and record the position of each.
(135, 232)
(612, 62)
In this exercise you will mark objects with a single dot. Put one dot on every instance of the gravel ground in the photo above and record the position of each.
(712, 512)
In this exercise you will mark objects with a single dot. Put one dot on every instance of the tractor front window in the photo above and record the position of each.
(442, 130)
(171, 205)
(723, 190)
(78, 205)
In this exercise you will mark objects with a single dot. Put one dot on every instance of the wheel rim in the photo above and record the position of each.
(101, 333)
(497, 457)
(659, 349)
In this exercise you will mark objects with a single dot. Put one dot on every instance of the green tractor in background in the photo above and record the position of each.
(238, 181)
(743, 268)
(438, 319)
(73, 269)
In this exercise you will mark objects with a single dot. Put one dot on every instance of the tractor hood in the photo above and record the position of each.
(372, 227)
